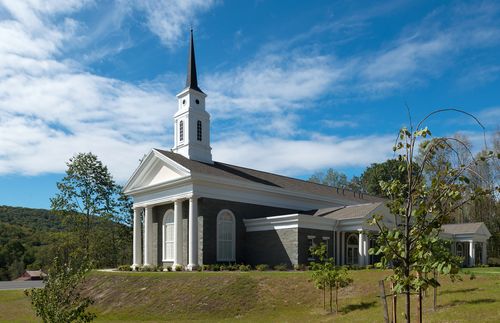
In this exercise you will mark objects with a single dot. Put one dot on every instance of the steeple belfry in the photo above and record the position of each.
(192, 121)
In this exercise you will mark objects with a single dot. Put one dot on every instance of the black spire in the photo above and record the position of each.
(192, 80)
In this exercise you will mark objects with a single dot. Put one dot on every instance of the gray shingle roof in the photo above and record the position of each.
(348, 212)
(462, 228)
(255, 176)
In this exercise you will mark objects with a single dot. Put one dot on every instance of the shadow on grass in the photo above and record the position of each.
(361, 306)
(473, 302)
(463, 290)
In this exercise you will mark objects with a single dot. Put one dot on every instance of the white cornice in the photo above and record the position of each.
(289, 221)
(231, 183)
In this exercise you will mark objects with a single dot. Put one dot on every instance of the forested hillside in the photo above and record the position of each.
(31, 238)
(24, 236)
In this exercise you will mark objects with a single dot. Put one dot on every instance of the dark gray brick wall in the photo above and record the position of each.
(209, 208)
(272, 247)
(303, 243)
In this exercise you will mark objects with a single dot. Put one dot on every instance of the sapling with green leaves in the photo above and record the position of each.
(420, 206)
(326, 275)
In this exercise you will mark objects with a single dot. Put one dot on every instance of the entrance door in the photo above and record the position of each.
(352, 249)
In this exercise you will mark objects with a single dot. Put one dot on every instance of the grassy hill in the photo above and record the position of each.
(261, 297)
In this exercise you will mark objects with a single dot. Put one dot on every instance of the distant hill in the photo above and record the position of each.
(39, 219)
(24, 233)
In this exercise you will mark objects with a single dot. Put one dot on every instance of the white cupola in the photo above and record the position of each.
(191, 121)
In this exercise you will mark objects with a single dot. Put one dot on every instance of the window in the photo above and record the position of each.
(352, 249)
(310, 244)
(168, 236)
(181, 130)
(198, 130)
(226, 236)
(460, 250)
(326, 241)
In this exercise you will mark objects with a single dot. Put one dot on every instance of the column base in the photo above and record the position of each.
(192, 267)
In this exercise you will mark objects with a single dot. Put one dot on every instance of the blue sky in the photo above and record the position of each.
(291, 88)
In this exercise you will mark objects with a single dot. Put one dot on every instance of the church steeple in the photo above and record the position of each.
(192, 121)
(192, 79)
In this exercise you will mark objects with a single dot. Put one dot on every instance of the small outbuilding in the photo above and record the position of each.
(32, 275)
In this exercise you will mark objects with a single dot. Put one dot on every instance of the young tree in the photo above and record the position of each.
(92, 205)
(422, 207)
(326, 275)
(60, 300)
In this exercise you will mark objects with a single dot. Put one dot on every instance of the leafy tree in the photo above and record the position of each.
(422, 207)
(326, 275)
(386, 171)
(331, 178)
(60, 300)
(91, 203)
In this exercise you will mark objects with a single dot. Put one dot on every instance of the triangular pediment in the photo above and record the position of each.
(154, 170)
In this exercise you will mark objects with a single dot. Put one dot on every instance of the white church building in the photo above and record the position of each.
(191, 210)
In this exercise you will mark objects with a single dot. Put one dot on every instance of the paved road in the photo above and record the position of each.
(10, 285)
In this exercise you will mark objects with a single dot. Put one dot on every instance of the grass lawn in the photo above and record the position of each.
(262, 297)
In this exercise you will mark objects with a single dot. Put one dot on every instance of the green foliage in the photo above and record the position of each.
(326, 275)
(60, 299)
(281, 267)
(90, 204)
(245, 267)
(262, 267)
(412, 248)
(391, 169)
(331, 178)
(124, 268)
(179, 268)
(300, 267)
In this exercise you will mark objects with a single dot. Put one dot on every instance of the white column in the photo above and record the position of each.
(177, 233)
(193, 233)
(360, 249)
(148, 240)
(484, 255)
(342, 248)
(365, 250)
(137, 244)
(337, 248)
(472, 255)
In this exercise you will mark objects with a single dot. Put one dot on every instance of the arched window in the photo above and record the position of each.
(198, 130)
(352, 249)
(181, 130)
(168, 236)
(226, 225)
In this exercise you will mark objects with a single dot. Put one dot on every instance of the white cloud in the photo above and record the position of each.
(295, 157)
(169, 20)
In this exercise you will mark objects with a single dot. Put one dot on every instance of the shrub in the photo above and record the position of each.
(179, 268)
(222, 267)
(205, 267)
(262, 267)
(494, 262)
(369, 267)
(300, 267)
(281, 267)
(168, 268)
(232, 267)
(124, 268)
(245, 267)
(148, 268)
(159, 268)
(215, 267)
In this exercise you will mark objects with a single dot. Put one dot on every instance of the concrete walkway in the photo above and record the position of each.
(19, 284)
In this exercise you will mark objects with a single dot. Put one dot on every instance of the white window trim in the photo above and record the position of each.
(164, 232)
(233, 228)
(309, 238)
(353, 246)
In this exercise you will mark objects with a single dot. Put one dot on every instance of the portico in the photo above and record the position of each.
(143, 223)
